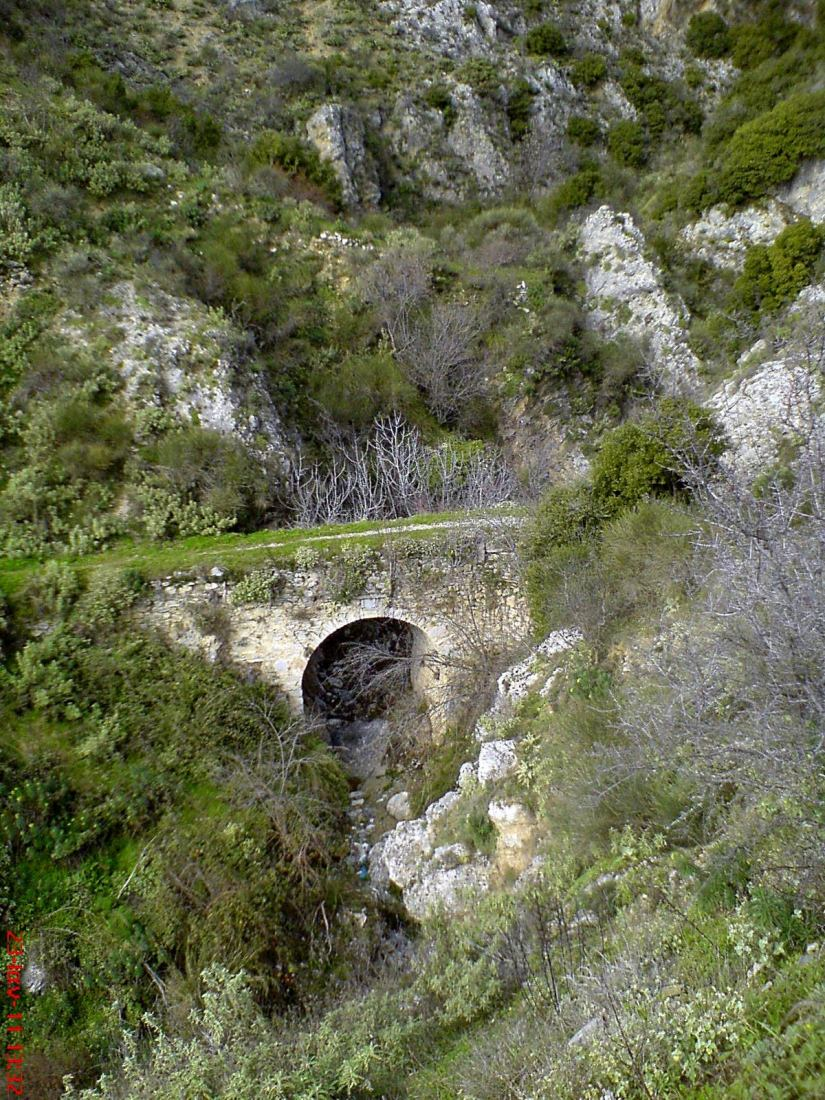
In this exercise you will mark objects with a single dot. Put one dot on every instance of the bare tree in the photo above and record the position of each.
(735, 703)
(277, 778)
(436, 342)
(397, 286)
(442, 357)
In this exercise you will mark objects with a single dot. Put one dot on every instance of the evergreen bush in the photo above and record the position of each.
(708, 35)
(546, 40)
(774, 274)
(626, 143)
(583, 130)
(589, 70)
(768, 150)
(519, 103)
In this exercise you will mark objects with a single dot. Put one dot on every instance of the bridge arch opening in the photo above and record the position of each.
(362, 670)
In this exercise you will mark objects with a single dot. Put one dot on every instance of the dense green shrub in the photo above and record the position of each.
(438, 96)
(62, 159)
(192, 133)
(207, 470)
(567, 514)
(635, 461)
(129, 777)
(62, 482)
(754, 43)
(577, 190)
(774, 274)
(17, 235)
(19, 332)
(519, 103)
(295, 157)
(645, 457)
(597, 562)
(659, 103)
(589, 70)
(632, 463)
(583, 130)
(626, 143)
(363, 388)
(546, 40)
(708, 35)
(768, 150)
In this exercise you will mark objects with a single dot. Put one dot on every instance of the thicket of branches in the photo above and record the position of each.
(439, 343)
(395, 473)
(734, 707)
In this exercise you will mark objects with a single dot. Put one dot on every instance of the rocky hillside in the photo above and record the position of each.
(267, 265)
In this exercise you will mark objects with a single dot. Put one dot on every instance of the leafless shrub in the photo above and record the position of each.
(279, 778)
(397, 285)
(394, 473)
(734, 705)
(442, 358)
(438, 342)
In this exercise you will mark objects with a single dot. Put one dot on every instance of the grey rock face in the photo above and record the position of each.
(626, 295)
(496, 760)
(445, 28)
(398, 857)
(337, 133)
(756, 412)
(723, 239)
(173, 355)
(450, 887)
(471, 141)
(805, 194)
(516, 829)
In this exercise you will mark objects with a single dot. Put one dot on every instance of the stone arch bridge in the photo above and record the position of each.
(441, 594)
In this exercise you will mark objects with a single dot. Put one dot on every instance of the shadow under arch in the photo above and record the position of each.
(361, 669)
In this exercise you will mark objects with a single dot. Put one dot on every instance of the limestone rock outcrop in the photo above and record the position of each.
(496, 760)
(174, 355)
(805, 194)
(432, 875)
(470, 140)
(337, 132)
(447, 28)
(776, 396)
(515, 827)
(723, 238)
(626, 295)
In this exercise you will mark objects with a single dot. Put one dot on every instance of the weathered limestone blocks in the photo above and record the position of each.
(273, 619)
(433, 875)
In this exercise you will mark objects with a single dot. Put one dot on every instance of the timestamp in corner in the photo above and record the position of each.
(15, 1044)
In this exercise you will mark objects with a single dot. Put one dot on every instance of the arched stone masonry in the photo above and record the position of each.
(272, 620)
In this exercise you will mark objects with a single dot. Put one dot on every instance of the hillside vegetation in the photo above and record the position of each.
(296, 285)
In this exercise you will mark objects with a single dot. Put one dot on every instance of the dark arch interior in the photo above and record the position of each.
(360, 670)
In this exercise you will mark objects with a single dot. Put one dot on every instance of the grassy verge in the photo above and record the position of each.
(240, 551)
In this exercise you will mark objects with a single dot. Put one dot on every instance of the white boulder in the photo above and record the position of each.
(450, 888)
(496, 760)
(723, 239)
(399, 806)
